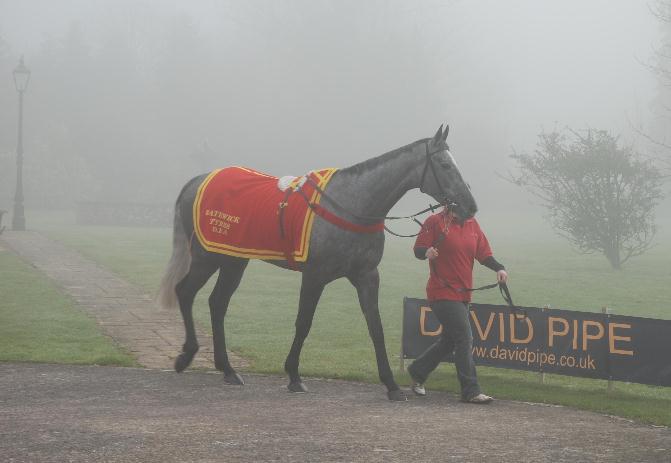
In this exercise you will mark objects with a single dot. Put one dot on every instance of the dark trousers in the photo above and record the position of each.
(456, 337)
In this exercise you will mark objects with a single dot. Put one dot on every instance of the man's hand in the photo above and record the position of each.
(501, 276)
(431, 253)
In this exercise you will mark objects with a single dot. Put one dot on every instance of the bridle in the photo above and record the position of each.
(375, 223)
(446, 200)
(380, 219)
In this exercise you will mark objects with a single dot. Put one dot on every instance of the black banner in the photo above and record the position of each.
(567, 342)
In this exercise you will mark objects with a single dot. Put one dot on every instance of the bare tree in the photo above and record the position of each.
(599, 195)
(660, 65)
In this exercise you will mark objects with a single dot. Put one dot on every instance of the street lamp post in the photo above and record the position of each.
(21, 79)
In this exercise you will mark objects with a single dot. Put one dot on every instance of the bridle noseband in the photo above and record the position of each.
(446, 200)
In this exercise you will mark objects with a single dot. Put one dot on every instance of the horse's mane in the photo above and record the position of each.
(369, 164)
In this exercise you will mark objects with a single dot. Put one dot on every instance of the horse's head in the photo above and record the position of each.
(441, 178)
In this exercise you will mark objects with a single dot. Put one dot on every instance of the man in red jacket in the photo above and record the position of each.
(452, 245)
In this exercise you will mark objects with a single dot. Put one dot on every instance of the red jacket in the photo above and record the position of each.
(457, 251)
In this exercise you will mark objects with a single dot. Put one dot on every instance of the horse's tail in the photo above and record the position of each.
(179, 263)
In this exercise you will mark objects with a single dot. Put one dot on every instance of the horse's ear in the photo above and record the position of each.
(438, 134)
(447, 130)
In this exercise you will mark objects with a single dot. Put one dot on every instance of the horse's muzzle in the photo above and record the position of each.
(458, 209)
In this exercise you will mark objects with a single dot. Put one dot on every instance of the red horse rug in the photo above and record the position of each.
(237, 212)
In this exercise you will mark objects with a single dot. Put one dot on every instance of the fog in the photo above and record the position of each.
(129, 99)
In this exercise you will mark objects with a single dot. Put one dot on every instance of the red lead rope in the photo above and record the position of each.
(323, 213)
(337, 220)
(346, 224)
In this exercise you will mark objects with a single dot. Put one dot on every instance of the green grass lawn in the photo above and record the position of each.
(543, 271)
(39, 324)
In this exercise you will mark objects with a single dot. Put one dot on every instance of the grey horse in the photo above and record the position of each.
(365, 192)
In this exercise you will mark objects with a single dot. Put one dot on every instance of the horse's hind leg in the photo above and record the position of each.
(186, 290)
(311, 291)
(227, 282)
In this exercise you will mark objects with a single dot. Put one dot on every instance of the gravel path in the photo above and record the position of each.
(94, 414)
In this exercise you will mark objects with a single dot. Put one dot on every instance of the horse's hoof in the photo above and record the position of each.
(234, 379)
(182, 361)
(298, 387)
(397, 395)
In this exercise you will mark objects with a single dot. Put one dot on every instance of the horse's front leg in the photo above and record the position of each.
(367, 286)
(311, 291)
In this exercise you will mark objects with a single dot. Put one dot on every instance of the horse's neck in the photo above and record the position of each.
(373, 187)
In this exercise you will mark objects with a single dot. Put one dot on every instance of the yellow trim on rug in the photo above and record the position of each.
(265, 254)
